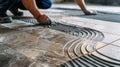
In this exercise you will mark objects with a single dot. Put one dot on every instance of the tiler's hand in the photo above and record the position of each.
(43, 20)
(90, 12)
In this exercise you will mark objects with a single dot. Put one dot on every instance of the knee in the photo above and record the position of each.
(44, 4)
(47, 5)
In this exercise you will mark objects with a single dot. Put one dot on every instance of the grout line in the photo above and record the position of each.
(114, 41)
(109, 44)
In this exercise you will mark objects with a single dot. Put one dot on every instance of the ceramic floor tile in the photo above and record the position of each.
(111, 51)
(103, 26)
(113, 28)
(10, 57)
(108, 38)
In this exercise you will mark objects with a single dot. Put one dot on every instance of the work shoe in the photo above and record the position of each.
(5, 19)
(90, 12)
(15, 12)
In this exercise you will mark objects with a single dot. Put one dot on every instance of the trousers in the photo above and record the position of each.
(7, 4)
(41, 4)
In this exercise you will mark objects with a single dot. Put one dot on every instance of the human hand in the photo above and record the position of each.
(90, 12)
(44, 20)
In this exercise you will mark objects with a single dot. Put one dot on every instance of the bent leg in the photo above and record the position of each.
(44, 4)
(5, 5)
(41, 4)
(82, 5)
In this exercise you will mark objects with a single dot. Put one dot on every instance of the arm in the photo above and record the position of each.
(81, 4)
(32, 7)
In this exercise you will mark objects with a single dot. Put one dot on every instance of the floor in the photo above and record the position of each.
(39, 46)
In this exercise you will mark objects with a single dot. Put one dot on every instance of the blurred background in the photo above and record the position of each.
(100, 2)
